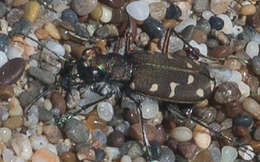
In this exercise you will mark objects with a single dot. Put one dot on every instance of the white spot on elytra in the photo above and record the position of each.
(154, 87)
(173, 85)
(189, 65)
(190, 79)
(132, 85)
(200, 92)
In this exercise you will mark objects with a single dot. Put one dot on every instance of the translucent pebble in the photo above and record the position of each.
(228, 26)
(202, 47)
(38, 142)
(256, 38)
(105, 111)
(185, 23)
(31, 42)
(207, 14)
(126, 158)
(246, 153)
(44, 155)
(235, 77)
(252, 49)
(14, 52)
(8, 155)
(112, 153)
(107, 14)
(244, 89)
(5, 134)
(3, 58)
(56, 47)
(229, 154)
(97, 134)
(139, 10)
(149, 108)
(220, 73)
(15, 108)
(181, 134)
(22, 146)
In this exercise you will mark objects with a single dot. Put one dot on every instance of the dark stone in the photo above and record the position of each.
(173, 12)
(70, 16)
(44, 76)
(242, 120)
(256, 65)
(12, 71)
(44, 114)
(14, 15)
(100, 154)
(116, 139)
(227, 92)
(4, 42)
(155, 149)
(153, 28)
(216, 22)
(21, 27)
(113, 3)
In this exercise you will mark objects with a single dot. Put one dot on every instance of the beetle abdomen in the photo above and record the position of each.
(178, 79)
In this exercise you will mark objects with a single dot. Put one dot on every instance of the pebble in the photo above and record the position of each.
(52, 30)
(70, 16)
(215, 153)
(257, 134)
(201, 137)
(59, 102)
(136, 132)
(44, 114)
(76, 131)
(150, 108)
(44, 155)
(248, 10)
(23, 26)
(228, 25)
(38, 142)
(114, 3)
(216, 22)
(138, 10)
(200, 46)
(200, 5)
(98, 12)
(3, 59)
(15, 108)
(227, 92)
(116, 139)
(252, 107)
(256, 65)
(181, 134)
(246, 153)
(13, 122)
(21, 145)
(187, 149)
(83, 7)
(68, 157)
(4, 42)
(252, 49)
(158, 10)
(106, 14)
(229, 154)
(17, 3)
(173, 12)
(153, 28)
(5, 134)
(11, 71)
(32, 10)
(6, 92)
(3, 9)
(187, 22)
(52, 133)
(243, 120)
(131, 148)
(105, 111)
(204, 155)
(219, 6)
(44, 76)
(125, 158)
(14, 15)
(56, 47)
(15, 52)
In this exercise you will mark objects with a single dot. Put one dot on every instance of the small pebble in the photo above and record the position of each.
(251, 106)
(153, 28)
(246, 153)
(181, 134)
(173, 12)
(106, 14)
(56, 47)
(6, 92)
(15, 52)
(68, 157)
(126, 158)
(52, 30)
(229, 154)
(116, 139)
(114, 3)
(227, 92)
(21, 145)
(228, 25)
(70, 16)
(44, 155)
(38, 142)
(105, 111)
(3, 59)
(201, 137)
(14, 15)
(204, 155)
(13, 122)
(158, 10)
(136, 132)
(252, 49)
(15, 108)
(4, 42)
(98, 12)
(76, 130)
(216, 22)
(83, 7)
(138, 10)
(243, 120)
(248, 10)
(59, 102)
(3, 9)
(32, 10)
(200, 5)
(5, 134)
(52, 133)
(44, 76)
(219, 6)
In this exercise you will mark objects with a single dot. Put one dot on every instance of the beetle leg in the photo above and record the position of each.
(166, 42)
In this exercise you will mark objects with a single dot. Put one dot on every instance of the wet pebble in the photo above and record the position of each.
(251, 106)
(227, 92)
(4, 42)
(76, 130)
(70, 16)
(216, 22)
(12, 71)
(32, 10)
(44, 76)
(136, 132)
(229, 154)
(153, 28)
(44, 155)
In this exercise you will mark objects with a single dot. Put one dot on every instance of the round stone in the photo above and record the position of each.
(227, 92)
(252, 49)
(116, 139)
(84, 7)
(44, 155)
(228, 25)
(138, 10)
(70, 16)
(229, 154)
(181, 134)
(257, 134)
(149, 108)
(32, 10)
(201, 137)
(256, 65)
(153, 28)
(246, 152)
(173, 12)
(216, 22)
(251, 106)
(76, 130)
(5, 134)
(4, 42)
(247, 10)
(106, 14)
(105, 111)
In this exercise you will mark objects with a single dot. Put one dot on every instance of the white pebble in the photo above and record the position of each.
(245, 153)
(22, 146)
(105, 111)
(52, 148)
(8, 155)
(244, 89)
(149, 108)
(38, 142)
(207, 14)
(139, 10)
(181, 134)
(228, 26)
(56, 47)
(3, 59)
(14, 52)
(202, 47)
(237, 30)
(151, 1)
(184, 24)
(256, 38)
(5, 134)
(112, 152)
(126, 158)
(235, 77)
(252, 49)
(106, 14)
(31, 42)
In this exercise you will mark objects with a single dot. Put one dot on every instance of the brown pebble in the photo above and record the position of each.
(241, 131)
(113, 3)
(58, 102)
(247, 10)
(131, 116)
(161, 134)
(68, 157)
(32, 10)
(83, 7)
(97, 13)
(116, 139)
(12, 71)
(255, 145)
(76, 49)
(6, 92)
(17, 3)
(13, 122)
(187, 149)
(169, 23)
(52, 133)
(136, 132)
(233, 109)
(41, 34)
(203, 156)
(86, 153)
(199, 36)
(52, 30)
(220, 51)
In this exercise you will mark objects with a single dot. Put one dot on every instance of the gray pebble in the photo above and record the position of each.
(2, 9)
(42, 75)
(22, 27)
(167, 155)
(4, 42)
(256, 65)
